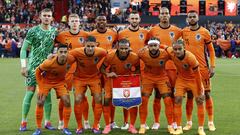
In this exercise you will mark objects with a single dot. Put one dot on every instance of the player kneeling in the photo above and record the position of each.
(188, 79)
(51, 74)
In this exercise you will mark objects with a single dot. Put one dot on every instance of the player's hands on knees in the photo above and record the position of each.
(111, 74)
(211, 72)
(24, 71)
(200, 99)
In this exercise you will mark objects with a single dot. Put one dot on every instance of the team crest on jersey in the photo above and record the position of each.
(141, 36)
(28, 80)
(161, 62)
(53, 36)
(81, 39)
(172, 35)
(96, 60)
(185, 66)
(109, 38)
(128, 66)
(198, 37)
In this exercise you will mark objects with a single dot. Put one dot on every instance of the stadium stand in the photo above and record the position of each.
(16, 16)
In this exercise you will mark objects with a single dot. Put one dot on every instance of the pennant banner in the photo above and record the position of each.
(126, 91)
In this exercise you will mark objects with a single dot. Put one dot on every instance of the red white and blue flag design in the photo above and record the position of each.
(126, 91)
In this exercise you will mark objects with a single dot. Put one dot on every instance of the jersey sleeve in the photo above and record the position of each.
(30, 36)
(149, 35)
(178, 33)
(208, 38)
(59, 38)
(211, 54)
(38, 76)
(103, 53)
(107, 60)
(23, 52)
(73, 53)
(141, 52)
(193, 61)
(45, 66)
(70, 59)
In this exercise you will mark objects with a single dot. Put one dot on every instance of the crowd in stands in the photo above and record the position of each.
(89, 9)
(22, 11)
(226, 38)
(11, 39)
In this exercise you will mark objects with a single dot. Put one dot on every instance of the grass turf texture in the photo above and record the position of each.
(225, 93)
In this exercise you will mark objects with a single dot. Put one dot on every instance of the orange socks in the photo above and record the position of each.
(156, 109)
(60, 110)
(97, 115)
(209, 108)
(189, 109)
(125, 114)
(112, 112)
(66, 115)
(86, 108)
(169, 109)
(133, 115)
(93, 103)
(178, 114)
(106, 114)
(200, 114)
(39, 116)
(143, 109)
(78, 115)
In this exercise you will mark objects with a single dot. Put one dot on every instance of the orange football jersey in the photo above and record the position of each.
(154, 67)
(105, 39)
(167, 36)
(53, 71)
(87, 65)
(185, 66)
(199, 43)
(121, 67)
(72, 40)
(136, 38)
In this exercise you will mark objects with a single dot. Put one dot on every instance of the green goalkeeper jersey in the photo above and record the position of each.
(41, 44)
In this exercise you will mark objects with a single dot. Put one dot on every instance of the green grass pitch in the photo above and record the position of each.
(226, 91)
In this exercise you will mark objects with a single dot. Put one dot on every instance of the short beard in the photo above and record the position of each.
(193, 24)
(154, 54)
(134, 26)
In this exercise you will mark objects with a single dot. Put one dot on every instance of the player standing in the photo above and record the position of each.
(40, 40)
(198, 41)
(106, 39)
(167, 34)
(73, 38)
